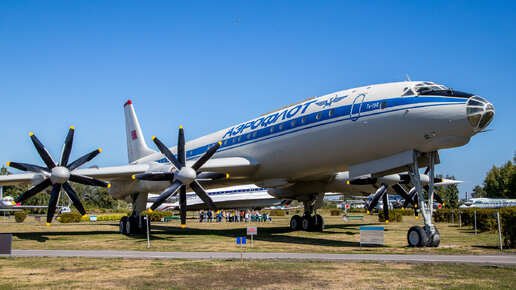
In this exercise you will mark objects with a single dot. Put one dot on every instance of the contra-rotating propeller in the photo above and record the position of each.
(396, 180)
(183, 176)
(57, 175)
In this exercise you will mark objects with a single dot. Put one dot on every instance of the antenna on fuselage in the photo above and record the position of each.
(408, 78)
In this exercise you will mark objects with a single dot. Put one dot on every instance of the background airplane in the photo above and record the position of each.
(488, 203)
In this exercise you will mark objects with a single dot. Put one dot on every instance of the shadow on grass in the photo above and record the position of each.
(278, 234)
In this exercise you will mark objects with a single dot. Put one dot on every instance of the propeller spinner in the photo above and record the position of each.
(57, 175)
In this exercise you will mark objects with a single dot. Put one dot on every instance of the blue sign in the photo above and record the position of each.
(241, 241)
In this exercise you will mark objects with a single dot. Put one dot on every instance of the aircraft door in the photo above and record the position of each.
(356, 107)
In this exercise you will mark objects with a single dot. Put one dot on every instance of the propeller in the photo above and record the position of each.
(183, 176)
(57, 175)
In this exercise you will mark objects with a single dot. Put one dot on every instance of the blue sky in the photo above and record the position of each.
(208, 65)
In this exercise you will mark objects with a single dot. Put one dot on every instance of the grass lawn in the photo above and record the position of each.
(89, 273)
(275, 236)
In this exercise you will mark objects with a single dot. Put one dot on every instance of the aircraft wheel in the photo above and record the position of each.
(295, 223)
(318, 223)
(417, 237)
(435, 240)
(131, 226)
(123, 222)
(307, 223)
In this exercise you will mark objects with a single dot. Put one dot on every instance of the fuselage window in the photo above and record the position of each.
(249, 136)
(272, 129)
(281, 126)
(303, 120)
(239, 138)
(318, 116)
(254, 134)
(383, 105)
(293, 123)
(331, 112)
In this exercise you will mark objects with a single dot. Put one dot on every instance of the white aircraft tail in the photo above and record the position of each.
(136, 146)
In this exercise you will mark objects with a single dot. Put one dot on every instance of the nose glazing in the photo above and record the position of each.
(480, 112)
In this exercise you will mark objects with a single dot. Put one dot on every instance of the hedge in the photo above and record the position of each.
(395, 215)
(70, 217)
(276, 212)
(508, 220)
(336, 211)
(156, 216)
(20, 216)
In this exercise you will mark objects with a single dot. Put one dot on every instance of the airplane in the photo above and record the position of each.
(488, 203)
(298, 152)
(234, 197)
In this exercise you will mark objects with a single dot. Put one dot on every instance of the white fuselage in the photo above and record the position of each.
(326, 135)
(489, 203)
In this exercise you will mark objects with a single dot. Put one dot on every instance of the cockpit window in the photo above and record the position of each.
(409, 93)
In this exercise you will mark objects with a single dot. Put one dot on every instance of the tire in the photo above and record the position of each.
(435, 240)
(123, 222)
(307, 223)
(318, 223)
(417, 237)
(295, 223)
(131, 226)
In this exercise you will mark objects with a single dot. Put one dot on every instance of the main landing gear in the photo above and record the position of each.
(427, 236)
(135, 224)
(309, 222)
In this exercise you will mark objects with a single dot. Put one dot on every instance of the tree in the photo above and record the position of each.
(478, 191)
(499, 182)
(449, 193)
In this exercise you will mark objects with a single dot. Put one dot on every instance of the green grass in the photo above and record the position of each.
(338, 237)
(91, 273)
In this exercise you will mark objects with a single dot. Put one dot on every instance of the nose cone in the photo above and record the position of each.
(480, 112)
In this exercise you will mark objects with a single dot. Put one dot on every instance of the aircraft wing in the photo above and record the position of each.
(16, 179)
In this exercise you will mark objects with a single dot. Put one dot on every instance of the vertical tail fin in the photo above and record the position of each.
(136, 146)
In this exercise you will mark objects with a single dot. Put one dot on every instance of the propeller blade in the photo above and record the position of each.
(363, 181)
(436, 196)
(165, 194)
(86, 180)
(42, 151)
(54, 197)
(416, 200)
(399, 190)
(386, 207)
(67, 147)
(181, 155)
(411, 194)
(83, 160)
(202, 194)
(182, 205)
(155, 176)
(211, 176)
(163, 149)
(377, 197)
(427, 170)
(73, 196)
(34, 190)
(28, 167)
(207, 155)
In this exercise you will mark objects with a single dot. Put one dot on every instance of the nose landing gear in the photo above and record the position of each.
(427, 236)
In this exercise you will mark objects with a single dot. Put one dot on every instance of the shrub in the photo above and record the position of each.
(110, 217)
(276, 212)
(395, 215)
(20, 216)
(70, 217)
(156, 216)
(336, 211)
(508, 224)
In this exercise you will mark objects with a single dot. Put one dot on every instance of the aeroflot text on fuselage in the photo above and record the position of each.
(268, 120)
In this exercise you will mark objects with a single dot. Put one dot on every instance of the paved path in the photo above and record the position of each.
(505, 260)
